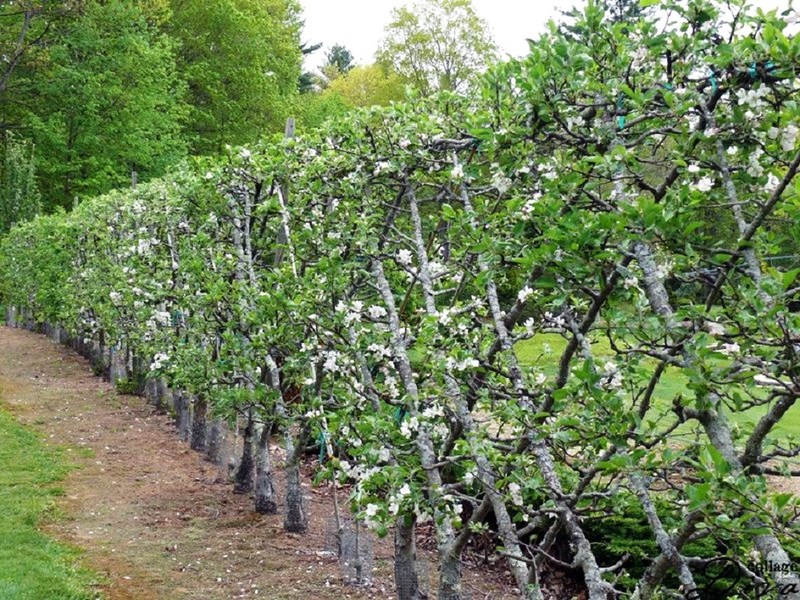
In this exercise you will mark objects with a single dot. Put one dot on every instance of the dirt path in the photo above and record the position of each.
(154, 518)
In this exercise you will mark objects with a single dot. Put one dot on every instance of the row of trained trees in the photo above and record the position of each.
(624, 187)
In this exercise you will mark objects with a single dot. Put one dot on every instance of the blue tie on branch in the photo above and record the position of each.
(713, 79)
(322, 441)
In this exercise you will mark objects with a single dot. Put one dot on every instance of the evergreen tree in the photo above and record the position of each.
(340, 57)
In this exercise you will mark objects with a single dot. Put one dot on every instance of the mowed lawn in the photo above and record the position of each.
(33, 566)
(544, 350)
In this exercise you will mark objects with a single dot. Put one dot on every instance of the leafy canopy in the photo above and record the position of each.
(241, 60)
(109, 101)
(437, 45)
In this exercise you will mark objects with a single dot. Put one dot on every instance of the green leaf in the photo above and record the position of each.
(789, 277)
(781, 500)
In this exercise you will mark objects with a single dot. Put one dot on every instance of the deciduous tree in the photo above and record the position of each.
(110, 102)
(241, 59)
(437, 44)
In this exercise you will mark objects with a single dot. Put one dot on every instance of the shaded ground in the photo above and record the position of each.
(155, 519)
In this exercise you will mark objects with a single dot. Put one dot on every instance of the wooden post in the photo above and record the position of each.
(283, 234)
(290, 126)
(134, 179)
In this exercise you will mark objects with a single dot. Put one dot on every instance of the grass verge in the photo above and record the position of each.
(544, 350)
(33, 566)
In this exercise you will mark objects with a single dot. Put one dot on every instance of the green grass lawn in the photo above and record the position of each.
(544, 350)
(32, 566)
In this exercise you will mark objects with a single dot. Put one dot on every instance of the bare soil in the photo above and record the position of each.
(155, 519)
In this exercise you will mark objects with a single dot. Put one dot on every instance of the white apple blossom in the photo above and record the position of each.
(729, 349)
(158, 361)
(433, 411)
(612, 377)
(394, 505)
(392, 387)
(772, 182)
(530, 203)
(524, 294)
(330, 365)
(376, 312)
(501, 183)
(379, 350)
(548, 171)
(789, 138)
(352, 317)
(404, 256)
(381, 166)
(436, 268)
(754, 167)
(409, 426)
(469, 363)
(752, 97)
(529, 325)
(705, 184)
(516, 493)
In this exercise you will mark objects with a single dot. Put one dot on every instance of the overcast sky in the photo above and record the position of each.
(359, 24)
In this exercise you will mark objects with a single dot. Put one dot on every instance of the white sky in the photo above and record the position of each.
(359, 24)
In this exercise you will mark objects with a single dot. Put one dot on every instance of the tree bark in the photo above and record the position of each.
(296, 519)
(243, 481)
(199, 418)
(405, 560)
(265, 497)
(216, 442)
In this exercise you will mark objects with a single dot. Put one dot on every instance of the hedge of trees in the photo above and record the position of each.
(367, 286)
